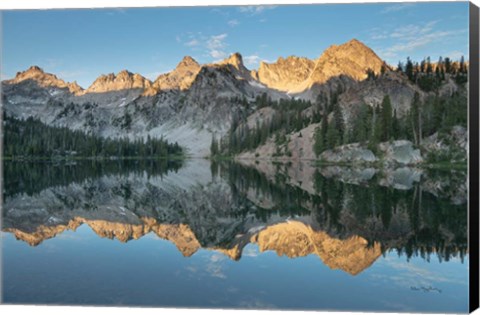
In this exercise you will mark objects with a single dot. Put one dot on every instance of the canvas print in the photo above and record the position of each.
(252, 157)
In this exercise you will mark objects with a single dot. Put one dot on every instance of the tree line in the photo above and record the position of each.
(31, 177)
(287, 116)
(429, 76)
(381, 123)
(31, 138)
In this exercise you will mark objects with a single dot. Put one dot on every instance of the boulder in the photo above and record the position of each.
(401, 152)
(349, 153)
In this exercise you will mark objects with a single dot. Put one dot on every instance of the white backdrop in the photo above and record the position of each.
(53, 310)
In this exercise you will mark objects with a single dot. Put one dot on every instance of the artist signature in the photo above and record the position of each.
(426, 289)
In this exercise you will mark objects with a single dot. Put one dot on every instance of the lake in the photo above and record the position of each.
(259, 235)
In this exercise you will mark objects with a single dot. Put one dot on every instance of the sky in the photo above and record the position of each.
(79, 45)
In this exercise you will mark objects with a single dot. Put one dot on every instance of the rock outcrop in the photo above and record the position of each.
(351, 59)
(179, 79)
(124, 80)
(349, 153)
(284, 74)
(297, 75)
(46, 80)
(401, 152)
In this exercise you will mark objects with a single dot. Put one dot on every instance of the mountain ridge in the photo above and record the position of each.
(184, 73)
(194, 103)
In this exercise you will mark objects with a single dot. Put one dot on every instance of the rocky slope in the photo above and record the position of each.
(285, 73)
(45, 80)
(298, 76)
(179, 79)
(351, 59)
(124, 80)
(187, 106)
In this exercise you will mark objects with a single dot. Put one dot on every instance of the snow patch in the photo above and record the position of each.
(257, 84)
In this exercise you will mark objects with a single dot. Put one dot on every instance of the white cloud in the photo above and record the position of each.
(256, 9)
(212, 46)
(221, 12)
(454, 55)
(217, 41)
(397, 7)
(233, 23)
(192, 43)
(216, 45)
(252, 60)
(217, 54)
(215, 266)
(412, 31)
(115, 11)
(409, 274)
(416, 42)
(410, 37)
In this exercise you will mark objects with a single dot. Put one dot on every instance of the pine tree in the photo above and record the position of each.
(416, 118)
(214, 147)
(384, 68)
(396, 132)
(333, 136)
(448, 65)
(338, 123)
(318, 145)
(400, 67)
(361, 124)
(463, 68)
(409, 69)
(386, 119)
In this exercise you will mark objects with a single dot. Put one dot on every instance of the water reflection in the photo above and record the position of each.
(347, 217)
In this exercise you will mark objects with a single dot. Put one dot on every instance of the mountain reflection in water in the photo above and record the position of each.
(347, 217)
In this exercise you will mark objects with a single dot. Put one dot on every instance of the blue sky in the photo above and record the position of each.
(82, 44)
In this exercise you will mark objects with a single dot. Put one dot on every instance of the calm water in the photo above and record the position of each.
(264, 235)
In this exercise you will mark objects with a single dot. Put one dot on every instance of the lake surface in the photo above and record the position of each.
(244, 235)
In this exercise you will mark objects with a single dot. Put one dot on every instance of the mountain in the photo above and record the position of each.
(179, 79)
(284, 74)
(46, 80)
(124, 80)
(235, 60)
(195, 103)
(351, 59)
(296, 74)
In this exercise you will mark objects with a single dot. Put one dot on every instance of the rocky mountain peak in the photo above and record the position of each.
(353, 50)
(187, 62)
(179, 79)
(297, 74)
(34, 69)
(43, 79)
(351, 59)
(285, 73)
(236, 61)
(121, 81)
(75, 88)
